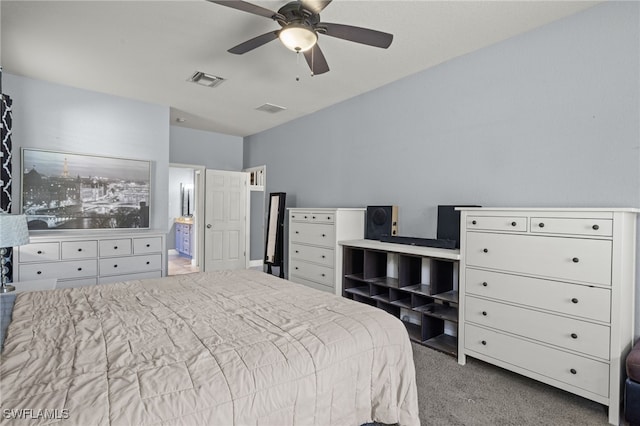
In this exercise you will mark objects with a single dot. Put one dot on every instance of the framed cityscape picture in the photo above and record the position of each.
(62, 190)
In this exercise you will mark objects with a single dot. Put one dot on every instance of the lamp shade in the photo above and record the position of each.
(298, 37)
(13, 230)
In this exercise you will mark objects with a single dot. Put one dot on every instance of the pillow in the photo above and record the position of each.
(6, 307)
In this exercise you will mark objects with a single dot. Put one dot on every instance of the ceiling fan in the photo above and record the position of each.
(300, 22)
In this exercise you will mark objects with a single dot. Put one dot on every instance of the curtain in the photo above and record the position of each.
(5, 159)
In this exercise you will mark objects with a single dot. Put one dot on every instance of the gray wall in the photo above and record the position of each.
(548, 118)
(54, 117)
(212, 150)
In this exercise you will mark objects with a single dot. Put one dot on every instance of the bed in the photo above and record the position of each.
(220, 348)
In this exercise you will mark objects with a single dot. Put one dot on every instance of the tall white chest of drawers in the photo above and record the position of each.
(549, 294)
(315, 258)
(92, 257)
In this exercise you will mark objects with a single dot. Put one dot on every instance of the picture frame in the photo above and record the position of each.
(64, 190)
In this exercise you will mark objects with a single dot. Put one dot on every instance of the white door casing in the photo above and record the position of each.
(225, 220)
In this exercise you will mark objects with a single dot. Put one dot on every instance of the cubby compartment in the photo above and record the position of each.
(419, 285)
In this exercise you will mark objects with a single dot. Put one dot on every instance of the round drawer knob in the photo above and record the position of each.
(323, 256)
(313, 217)
(305, 217)
(595, 227)
(148, 263)
(79, 269)
(297, 232)
(323, 235)
(474, 222)
(484, 284)
(574, 300)
(322, 275)
(485, 250)
(541, 225)
(573, 371)
(79, 249)
(513, 223)
(115, 247)
(575, 260)
(39, 272)
(484, 342)
(574, 336)
(484, 313)
(115, 266)
(148, 245)
(39, 251)
(297, 251)
(296, 267)
(328, 217)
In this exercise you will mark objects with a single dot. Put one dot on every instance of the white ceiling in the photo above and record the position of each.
(146, 50)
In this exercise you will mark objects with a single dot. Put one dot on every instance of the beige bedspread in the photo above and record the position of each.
(222, 348)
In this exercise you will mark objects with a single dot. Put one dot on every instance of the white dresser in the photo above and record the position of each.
(549, 293)
(315, 258)
(91, 258)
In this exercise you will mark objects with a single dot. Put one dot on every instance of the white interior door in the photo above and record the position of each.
(225, 220)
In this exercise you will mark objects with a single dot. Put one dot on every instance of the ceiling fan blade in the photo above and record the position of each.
(254, 42)
(315, 6)
(316, 60)
(248, 7)
(357, 34)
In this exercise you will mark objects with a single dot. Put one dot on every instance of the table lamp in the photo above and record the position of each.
(13, 232)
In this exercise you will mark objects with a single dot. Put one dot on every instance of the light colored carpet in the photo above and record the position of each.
(479, 394)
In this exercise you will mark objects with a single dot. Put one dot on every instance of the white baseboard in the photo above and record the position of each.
(255, 263)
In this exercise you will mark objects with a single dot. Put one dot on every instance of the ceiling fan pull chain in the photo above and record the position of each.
(312, 51)
(297, 64)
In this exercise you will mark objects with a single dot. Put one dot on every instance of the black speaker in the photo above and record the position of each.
(449, 223)
(381, 220)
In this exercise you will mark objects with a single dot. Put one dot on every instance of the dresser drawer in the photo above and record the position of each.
(79, 249)
(572, 299)
(309, 271)
(80, 282)
(572, 259)
(321, 255)
(148, 245)
(580, 336)
(583, 373)
(59, 270)
(301, 216)
(552, 225)
(312, 284)
(313, 233)
(39, 252)
(323, 217)
(115, 247)
(128, 265)
(497, 223)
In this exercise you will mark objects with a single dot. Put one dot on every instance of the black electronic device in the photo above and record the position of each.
(381, 221)
(422, 242)
(449, 223)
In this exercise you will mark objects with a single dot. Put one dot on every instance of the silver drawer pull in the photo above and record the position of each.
(575, 260)
(573, 371)
(574, 336)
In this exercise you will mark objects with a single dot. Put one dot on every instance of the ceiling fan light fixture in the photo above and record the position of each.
(298, 37)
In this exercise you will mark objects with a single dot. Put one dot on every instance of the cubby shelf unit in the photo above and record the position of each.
(419, 285)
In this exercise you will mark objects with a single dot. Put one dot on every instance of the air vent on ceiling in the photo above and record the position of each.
(270, 108)
(205, 79)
